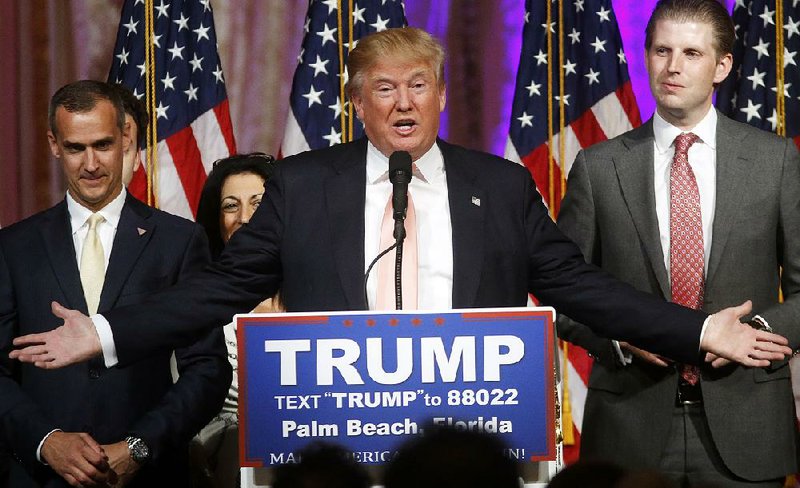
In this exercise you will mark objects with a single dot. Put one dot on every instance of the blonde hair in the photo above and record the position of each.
(406, 43)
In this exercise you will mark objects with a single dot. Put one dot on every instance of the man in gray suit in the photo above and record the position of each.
(707, 234)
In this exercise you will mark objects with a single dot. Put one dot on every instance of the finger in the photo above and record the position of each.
(659, 362)
(27, 358)
(755, 363)
(31, 340)
(49, 363)
(772, 347)
(762, 335)
(71, 480)
(93, 444)
(719, 363)
(35, 350)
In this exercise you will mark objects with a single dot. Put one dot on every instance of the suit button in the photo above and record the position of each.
(94, 374)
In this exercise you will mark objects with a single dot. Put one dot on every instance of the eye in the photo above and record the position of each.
(230, 207)
(256, 203)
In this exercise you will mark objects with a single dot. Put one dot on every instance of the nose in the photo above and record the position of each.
(674, 63)
(91, 163)
(246, 213)
(403, 99)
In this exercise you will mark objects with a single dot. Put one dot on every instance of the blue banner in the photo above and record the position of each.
(368, 381)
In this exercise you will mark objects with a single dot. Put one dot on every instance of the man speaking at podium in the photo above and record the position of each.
(483, 239)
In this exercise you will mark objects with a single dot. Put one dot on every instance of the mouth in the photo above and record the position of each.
(671, 87)
(405, 126)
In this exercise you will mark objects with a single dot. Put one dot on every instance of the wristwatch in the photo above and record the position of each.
(138, 449)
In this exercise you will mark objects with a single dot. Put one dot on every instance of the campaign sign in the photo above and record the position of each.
(369, 381)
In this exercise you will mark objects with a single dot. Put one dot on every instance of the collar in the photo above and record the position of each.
(78, 214)
(426, 167)
(665, 133)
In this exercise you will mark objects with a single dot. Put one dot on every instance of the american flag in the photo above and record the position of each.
(319, 115)
(189, 106)
(597, 102)
(760, 55)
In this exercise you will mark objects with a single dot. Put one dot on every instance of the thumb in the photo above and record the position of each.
(59, 310)
(743, 309)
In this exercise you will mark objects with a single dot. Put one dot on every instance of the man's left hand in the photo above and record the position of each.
(119, 458)
(74, 342)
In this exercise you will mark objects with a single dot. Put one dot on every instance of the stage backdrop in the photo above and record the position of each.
(46, 44)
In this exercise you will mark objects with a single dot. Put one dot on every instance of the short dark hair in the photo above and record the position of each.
(445, 457)
(81, 97)
(209, 207)
(137, 110)
(710, 12)
(322, 465)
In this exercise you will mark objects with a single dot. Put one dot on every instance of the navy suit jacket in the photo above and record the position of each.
(152, 251)
(307, 237)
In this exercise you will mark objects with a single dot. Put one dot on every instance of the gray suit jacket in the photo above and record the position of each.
(609, 210)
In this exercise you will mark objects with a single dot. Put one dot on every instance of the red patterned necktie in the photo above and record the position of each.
(686, 237)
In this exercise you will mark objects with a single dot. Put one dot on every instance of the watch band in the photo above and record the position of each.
(140, 453)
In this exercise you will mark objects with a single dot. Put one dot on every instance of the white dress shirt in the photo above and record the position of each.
(428, 190)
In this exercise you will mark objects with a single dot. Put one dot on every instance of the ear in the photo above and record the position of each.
(51, 139)
(126, 135)
(358, 104)
(137, 159)
(442, 98)
(724, 66)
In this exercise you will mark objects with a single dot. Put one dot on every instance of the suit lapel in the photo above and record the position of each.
(345, 194)
(133, 233)
(732, 178)
(56, 235)
(635, 172)
(466, 220)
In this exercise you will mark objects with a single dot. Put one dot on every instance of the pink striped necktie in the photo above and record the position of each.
(386, 265)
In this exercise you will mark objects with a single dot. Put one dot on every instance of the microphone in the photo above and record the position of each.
(400, 176)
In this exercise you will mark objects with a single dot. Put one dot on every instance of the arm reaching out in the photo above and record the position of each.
(726, 337)
(75, 341)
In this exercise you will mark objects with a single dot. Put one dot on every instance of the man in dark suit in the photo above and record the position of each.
(80, 424)
(736, 425)
(484, 238)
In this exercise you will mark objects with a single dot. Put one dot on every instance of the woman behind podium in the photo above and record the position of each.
(231, 194)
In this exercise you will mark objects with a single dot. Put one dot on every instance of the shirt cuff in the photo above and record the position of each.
(703, 331)
(624, 357)
(106, 340)
(39, 449)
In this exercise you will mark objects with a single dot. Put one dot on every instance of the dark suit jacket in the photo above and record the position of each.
(307, 237)
(609, 210)
(38, 265)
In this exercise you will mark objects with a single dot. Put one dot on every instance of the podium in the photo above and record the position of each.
(369, 381)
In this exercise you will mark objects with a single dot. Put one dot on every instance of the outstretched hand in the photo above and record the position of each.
(727, 338)
(75, 341)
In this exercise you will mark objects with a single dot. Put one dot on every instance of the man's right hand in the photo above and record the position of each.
(77, 458)
(74, 342)
(645, 355)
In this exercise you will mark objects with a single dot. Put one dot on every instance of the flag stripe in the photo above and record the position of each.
(188, 164)
(223, 114)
